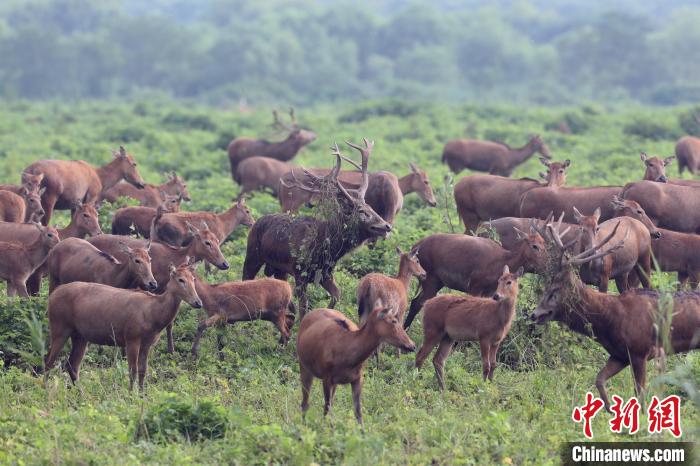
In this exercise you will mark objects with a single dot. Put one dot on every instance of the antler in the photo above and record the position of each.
(590, 254)
(545, 162)
(279, 124)
(365, 153)
(292, 117)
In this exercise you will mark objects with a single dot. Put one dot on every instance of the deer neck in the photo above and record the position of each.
(71, 231)
(506, 310)
(110, 174)
(229, 221)
(520, 155)
(36, 252)
(206, 294)
(513, 258)
(586, 310)
(359, 345)
(404, 275)
(164, 307)
(406, 183)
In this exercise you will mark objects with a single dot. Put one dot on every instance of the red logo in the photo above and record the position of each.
(665, 415)
(587, 412)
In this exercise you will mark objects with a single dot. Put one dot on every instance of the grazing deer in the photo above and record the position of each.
(76, 260)
(68, 180)
(242, 148)
(139, 218)
(332, 348)
(19, 259)
(258, 173)
(471, 264)
(626, 325)
(496, 158)
(488, 197)
(103, 315)
(30, 182)
(152, 195)
(309, 247)
(668, 205)
(231, 302)
(22, 207)
(688, 154)
(450, 318)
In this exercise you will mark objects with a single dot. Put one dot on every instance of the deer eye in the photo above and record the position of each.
(181, 280)
(639, 212)
(50, 235)
(138, 261)
(535, 247)
(509, 283)
(208, 243)
(561, 171)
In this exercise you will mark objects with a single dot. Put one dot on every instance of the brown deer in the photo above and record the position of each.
(103, 315)
(540, 202)
(138, 218)
(496, 158)
(68, 180)
(76, 260)
(152, 194)
(22, 207)
(668, 205)
(309, 247)
(30, 182)
(173, 228)
(679, 252)
(450, 318)
(471, 264)
(19, 259)
(506, 230)
(656, 171)
(258, 173)
(230, 302)
(332, 348)
(488, 197)
(242, 148)
(688, 154)
(626, 325)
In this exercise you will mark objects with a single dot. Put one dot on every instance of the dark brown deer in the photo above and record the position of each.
(668, 205)
(138, 219)
(679, 252)
(76, 260)
(152, 194)
(332, 348)
(471, 264)
(68, 180)
(450, 318)
(626, 325)
(259, 173)
(20, 258)
(309, 247)
(487, 197)
(688, 154)
(242, 148)
(30, 182)
(540, 202)
(230, 302)
(22, 207)
(103, 315)
(495, 158)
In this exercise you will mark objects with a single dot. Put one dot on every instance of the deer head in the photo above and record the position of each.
(537, 144)
(556, 172)
(630, 208)
(508, 284)
(127, 166)
(301, 136)
(421, 185)
(655, 167)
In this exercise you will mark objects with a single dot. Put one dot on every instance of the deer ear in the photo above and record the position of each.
(191, 228)
(398, 250)
(544, 162)
(520, 272)
(596, 213)
(543, 175)
(643, 156)
(23, 191)
(567, 163)
(669, 160)
(172, 269)
(413, 167)
(506, 269)
(577, 214)
(125, 247)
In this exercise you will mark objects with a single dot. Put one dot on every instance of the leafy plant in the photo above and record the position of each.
(178, 418)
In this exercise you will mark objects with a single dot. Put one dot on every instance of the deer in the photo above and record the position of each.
(138, 218)
(104, 315)
(19, 259)
(76, 260)
(241, 148)
(688, 154)
(540, 202)
(68, 180)
(259, 173)
(679, 252)
(151, 195)
(308, 247)
(487, 197)
(332, 348)
(22, 207)
(471, 264)
(172, 228)
(505, 230)
(495, 158)
(30, 182)
(230, 302)
(450, 318)
(669, 206)
(626, 325)
(655, 170)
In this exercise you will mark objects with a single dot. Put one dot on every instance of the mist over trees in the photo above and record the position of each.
(303, 51)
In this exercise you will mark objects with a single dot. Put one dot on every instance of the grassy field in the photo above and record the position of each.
(520, 418)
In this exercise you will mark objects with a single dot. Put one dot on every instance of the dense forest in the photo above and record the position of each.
(303, 51)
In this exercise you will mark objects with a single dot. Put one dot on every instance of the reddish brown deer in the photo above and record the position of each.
(688, 154)
(68, 180)
(679, 252)
(76, 260)
(19, 259)
(626, 325)
(138, 219)
(309, 247)
(103, 315)
(332, 348)
(30, 182)
(471, 264)
(509, 230)
(230, 302)
(258, 173)
(668, 205)
(540, 202)
(495, 158)
(656, 171)
(152, 194)
(451, 318)
(242, 148)
(488, 197)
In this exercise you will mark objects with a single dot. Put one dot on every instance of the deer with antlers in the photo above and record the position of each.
(626, 325)
(309, 247)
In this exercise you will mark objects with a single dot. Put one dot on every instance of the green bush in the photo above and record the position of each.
(649, 129)
(125, 134)
(689, 121)
(178, 418)
(186, 121)
(390, 107)
(575, 122)
(23, 331)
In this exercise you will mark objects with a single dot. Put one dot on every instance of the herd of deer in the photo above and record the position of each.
(121, 290)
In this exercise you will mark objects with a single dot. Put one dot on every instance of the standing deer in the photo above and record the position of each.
(495, 158)
(668, 205)
(19, 259)
(22, 207)
(242, 148)
(139, 218)
(505, 230)
(626, 325)
(488, 197)
(471, 264)
(679, 252)
(103, 315)
(258, 173)
(332, 348)
(30, 182)
(540, 202)
(152, 195)
(68, 180)
(309, 247)
(450, 318)
(688, 154)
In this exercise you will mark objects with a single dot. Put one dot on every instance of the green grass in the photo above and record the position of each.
(521, 418)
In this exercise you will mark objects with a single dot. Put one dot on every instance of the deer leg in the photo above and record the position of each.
(171, 341)
(356, 387)
(428, 288)
(328, 392)
(330, 286)
(492, 359)
(307, 380)
(682, 280)
(132, 356)
(143, 365)
(221, 341)
(639, 371)
(10, 289)
(443, 351)
(205, 324)
(300, 293)
(20, 287)
(48, 203)
(603, 284)
(643, 270)
(77, 352)
(694, 279)
(622, 283)
(57, 342)
(34, 281)
(281, 324)
(612, 367)
(485, 346)
(430, 340)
